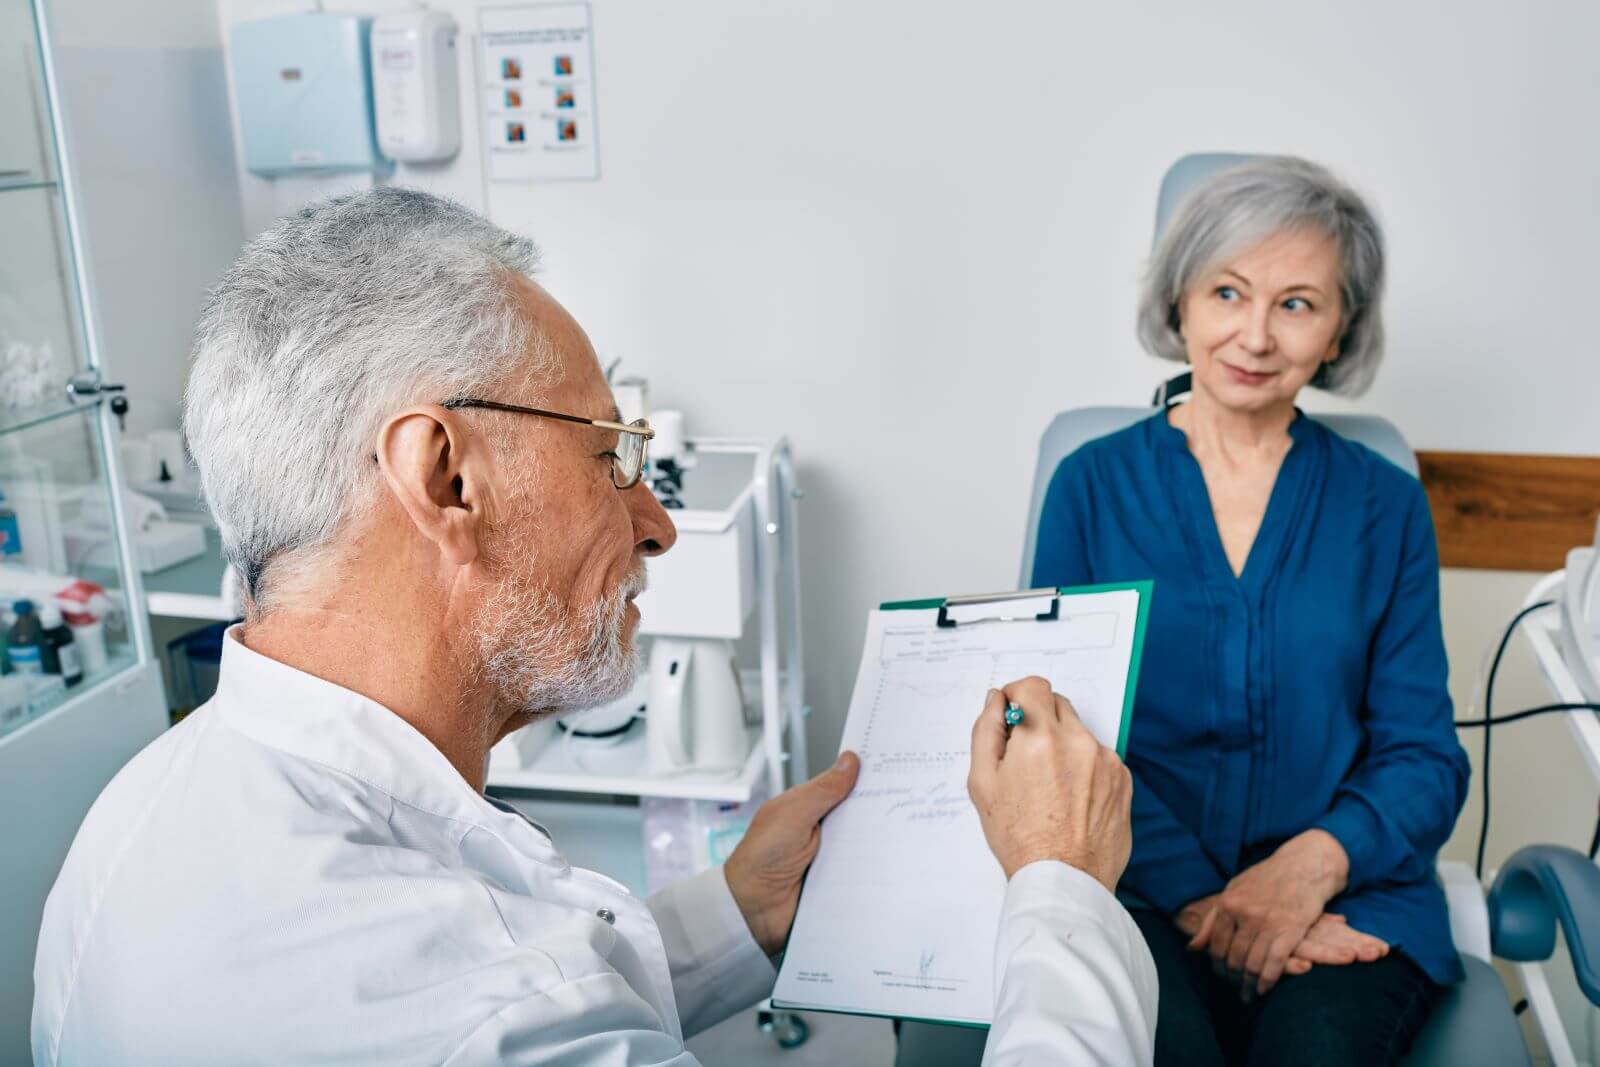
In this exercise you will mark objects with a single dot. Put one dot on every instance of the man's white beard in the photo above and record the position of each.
(538, 655)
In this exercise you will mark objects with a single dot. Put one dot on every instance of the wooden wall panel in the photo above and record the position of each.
(1496, 511)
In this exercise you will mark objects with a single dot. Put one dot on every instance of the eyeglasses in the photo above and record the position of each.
(627, 462)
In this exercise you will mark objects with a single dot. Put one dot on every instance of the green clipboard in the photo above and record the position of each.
(1002, 604)
(1144, 588)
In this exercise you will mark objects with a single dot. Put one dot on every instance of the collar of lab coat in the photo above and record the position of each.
(316, 720)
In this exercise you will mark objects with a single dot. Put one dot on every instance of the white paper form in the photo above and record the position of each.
(901, 908)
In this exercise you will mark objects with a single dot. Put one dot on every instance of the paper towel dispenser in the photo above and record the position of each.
(304, 92)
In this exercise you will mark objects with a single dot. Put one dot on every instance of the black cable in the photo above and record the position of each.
(1594, 842)
(1468, 724)
(1526, 713)
(1488, 721)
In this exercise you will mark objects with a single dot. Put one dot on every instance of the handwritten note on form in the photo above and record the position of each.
(900, 910)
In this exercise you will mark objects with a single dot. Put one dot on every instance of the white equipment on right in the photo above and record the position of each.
(1580, 617)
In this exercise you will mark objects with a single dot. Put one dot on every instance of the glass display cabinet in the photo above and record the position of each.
(81, 691)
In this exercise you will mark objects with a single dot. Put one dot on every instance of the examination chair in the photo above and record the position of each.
(1540, 886)
(1474, 1023)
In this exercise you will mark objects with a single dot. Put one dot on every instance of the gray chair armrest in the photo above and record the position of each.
(1469, 910)
(1539, 886)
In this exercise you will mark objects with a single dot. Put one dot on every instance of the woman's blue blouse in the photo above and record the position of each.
(1309, 691)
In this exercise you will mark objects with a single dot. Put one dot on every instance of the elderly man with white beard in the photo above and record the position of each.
(418, 471)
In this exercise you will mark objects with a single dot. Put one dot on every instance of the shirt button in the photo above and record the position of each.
(607, 915)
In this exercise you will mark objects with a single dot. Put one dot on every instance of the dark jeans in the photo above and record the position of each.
(1364, 1014)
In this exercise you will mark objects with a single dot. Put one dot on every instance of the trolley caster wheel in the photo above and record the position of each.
(787, 1029)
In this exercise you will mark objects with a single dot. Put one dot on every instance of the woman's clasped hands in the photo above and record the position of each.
(1270, 921)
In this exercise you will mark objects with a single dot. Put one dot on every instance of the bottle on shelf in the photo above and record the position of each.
(10, 531)
(24, 651)
(58, 650)
(90, 635)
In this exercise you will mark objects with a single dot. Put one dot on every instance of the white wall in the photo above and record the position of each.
(149, 132)
(907, 233)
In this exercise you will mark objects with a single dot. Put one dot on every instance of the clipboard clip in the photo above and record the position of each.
(945, 622)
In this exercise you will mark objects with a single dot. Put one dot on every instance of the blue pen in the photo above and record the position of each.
(1013, 716)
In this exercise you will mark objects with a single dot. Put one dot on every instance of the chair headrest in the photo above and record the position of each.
(1185, 176)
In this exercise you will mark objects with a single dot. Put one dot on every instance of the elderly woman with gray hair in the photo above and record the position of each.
(1295, 766)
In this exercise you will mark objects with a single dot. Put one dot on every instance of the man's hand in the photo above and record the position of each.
(1267, 910)
(765, 869)
(1049, 790)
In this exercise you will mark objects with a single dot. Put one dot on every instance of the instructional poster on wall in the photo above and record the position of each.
(537, 72)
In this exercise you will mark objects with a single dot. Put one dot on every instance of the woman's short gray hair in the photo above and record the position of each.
(1243, 206)
(334, 319)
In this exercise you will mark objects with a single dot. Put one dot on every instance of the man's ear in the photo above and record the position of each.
(436, 472)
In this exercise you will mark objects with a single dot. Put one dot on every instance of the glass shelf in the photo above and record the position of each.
(57, 541)
(13, 183)
(48, 693)
(61, 543)
(41, 330)
(13, 420)
(58, 536)
(25, 151)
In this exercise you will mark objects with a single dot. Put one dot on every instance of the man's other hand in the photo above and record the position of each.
(764, 871)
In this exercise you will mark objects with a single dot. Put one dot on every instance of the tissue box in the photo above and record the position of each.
(304, 94)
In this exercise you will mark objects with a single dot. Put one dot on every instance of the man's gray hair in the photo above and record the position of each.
(1243, 206)
(336, 318)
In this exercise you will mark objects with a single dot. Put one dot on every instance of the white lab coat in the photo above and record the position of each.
(295, 875)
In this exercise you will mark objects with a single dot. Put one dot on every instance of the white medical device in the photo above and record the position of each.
(414, 86)
(695, 712)
(1580, 618)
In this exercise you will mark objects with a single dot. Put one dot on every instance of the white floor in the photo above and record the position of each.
(835, 1040)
